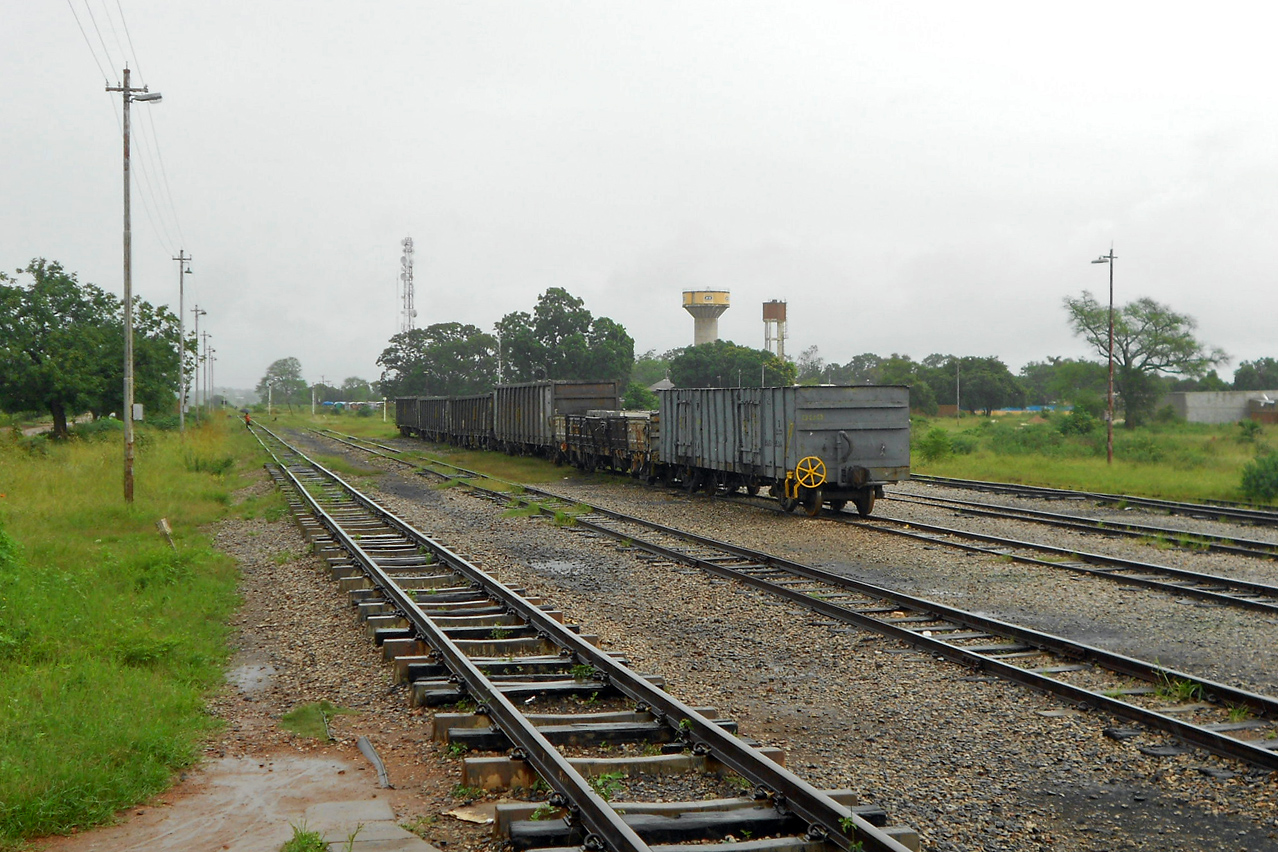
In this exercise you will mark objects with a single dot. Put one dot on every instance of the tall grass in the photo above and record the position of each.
(109, 638)
(1180, 461)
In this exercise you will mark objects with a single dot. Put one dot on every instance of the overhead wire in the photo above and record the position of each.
(144, 165)
(154, 150)
(88, 43)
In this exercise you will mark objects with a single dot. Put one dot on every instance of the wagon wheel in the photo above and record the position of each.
(837, 505)
(752, 487)
(692, 478)
(812, 500)
(810, 471)
(864, 502)
(788, 504)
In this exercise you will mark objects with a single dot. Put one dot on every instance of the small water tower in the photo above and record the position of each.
(774, 328)
(706, 306)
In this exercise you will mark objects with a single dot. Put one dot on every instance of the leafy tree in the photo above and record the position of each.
(561, 340)
(355, 389)
(1209, 382)
(811, 366)
(723, 364)
(1149, 340)
(977, 384)
(1063, 380)
(1261, 374)
(639, 398)
(283, 383)
(445, 359)
(62, 348)
(650, 368)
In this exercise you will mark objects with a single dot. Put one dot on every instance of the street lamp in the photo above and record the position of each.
(129, 94)
(199, 359)
(1109, 411)
(184, 269)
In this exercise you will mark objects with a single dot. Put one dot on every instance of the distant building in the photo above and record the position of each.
(1225, 406)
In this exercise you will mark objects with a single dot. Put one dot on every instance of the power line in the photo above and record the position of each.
(154, 151)
(116, 35)
(88, 44)
(125, 24)
(102, 41)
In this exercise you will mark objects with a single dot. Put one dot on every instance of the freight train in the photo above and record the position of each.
(808, 446)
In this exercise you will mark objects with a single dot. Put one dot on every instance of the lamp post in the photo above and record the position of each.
(198, 358)
(1109, 409)
(184, 269)
(129, 94)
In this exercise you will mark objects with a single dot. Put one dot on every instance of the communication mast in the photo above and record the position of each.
(408, 313)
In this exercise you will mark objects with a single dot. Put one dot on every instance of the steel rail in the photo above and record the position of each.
(827, 819)
(1263, 597)
(599, 818)
(1198, 540)
(1221, 509)
(1264, 706)
(1249, 595)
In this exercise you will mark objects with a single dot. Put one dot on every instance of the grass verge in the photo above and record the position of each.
(110, 639)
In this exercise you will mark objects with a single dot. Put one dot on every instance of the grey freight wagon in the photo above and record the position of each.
(807, 445)
(524, 414)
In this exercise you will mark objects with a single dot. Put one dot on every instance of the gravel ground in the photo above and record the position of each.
(1226, 644)
(299, 641)
(971, 764)
(1260, 570)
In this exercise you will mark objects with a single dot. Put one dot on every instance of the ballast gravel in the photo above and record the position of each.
(971, 763)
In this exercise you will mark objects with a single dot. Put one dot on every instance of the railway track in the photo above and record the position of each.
(1164, 536)
(1227, 591)
(1222, 510)
(457, 634)
(1220, 718)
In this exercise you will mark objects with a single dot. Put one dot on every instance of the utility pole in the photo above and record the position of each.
(183, 270)
(1109, 408)
(198, 358)
(129, 94)
(204, 376)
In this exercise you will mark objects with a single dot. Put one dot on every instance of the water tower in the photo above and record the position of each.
(706, 306)
(774, 328)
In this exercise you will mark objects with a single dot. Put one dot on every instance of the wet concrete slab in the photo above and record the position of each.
(238, 805)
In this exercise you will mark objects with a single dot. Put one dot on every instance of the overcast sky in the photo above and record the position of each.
(909, 177)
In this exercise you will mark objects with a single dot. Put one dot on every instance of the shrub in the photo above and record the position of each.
(1250, 430)
(1167, 414)
(98, 430)
(963, 444)
(1260, 478)
(1077, 422)
(935, 445)
(1138, 448)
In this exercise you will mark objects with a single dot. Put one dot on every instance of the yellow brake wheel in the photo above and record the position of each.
(810, 471)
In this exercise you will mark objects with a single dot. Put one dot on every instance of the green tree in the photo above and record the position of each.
(639, 398)
(1150, 340)
(810, 366)
(650, 368)
(1261, 374)
(1063, 380)
(355, 389)
(283, 383)
(62, 348)
(723, 364)
(561, 340)
(444, 359)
